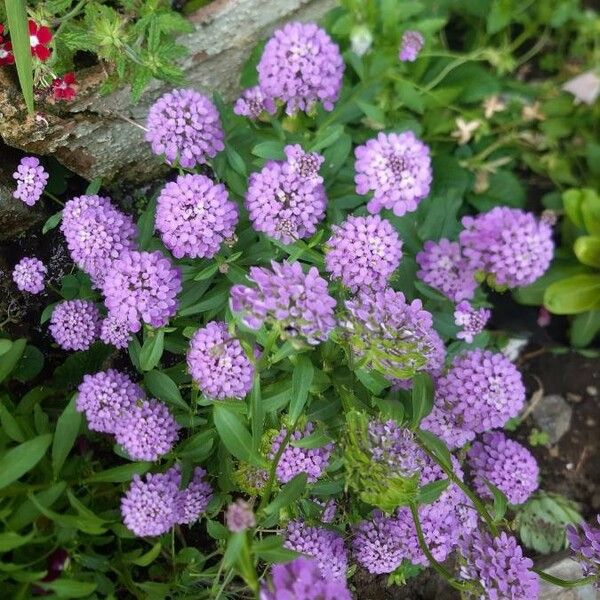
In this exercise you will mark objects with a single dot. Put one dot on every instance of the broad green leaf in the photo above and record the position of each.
(289, 493)
(584, 328)
(22, 458)
(16, 16)
(590, 211)
(236, 161)
(52, 222)
(317, 439)
(11, 540)
(421, 401)
(234, 550)
(152, 349)
(69, 588)
(301, 381)
(587, 250)
(235, 436)
(67, 429)
(146, 224)
(216, 530)
(148, 558)
(573, 295)
(272, 550)
(435, 446)
(11, 358)
(164, 388)
(5, 346)
(430, 492)
(28, 511)
(374, 381)
(86, 523)
(93, 186)
(120, 473)
(10, 426)
(30, 365)
(326, 137)
(500, 501)
(572, 200)
(269, 150)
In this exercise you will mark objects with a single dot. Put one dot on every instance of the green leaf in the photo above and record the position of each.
(257, 413)
(590, 211)
(10, 426)
(52, 222)
(326, 137)
(216, 530)
(120, 474)
(269, 150)
(30, 365)
(500, 501)
(430, 492)
(164, 388)
(317, 439)
(207, 272)
(11, 358)
(11, 540)
(93, 186)
(572, 200)
(19, 460)
(152, 350)
(235, 547)
(47, 313)
(584, 328)
(289, 493)
(272, 550)
(69, 588)
(374, 381)
(29, 511)
(587, 250)
(573, 295)
(301, 381)
(148, 558)
(16, 15)
(421, 401)
(234, 435)
(436, 446)
(146, 224)
(5, 346)
(67, 429)
(236, 161)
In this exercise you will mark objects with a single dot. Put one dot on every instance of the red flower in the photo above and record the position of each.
(6, 54)
(1, 30)
(39, 38)
(63, 87)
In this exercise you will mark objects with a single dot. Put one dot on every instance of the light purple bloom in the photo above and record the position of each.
(142, 286)
(185, 127)
(253, 103)
(285, 296)
(31, 180)
(506, 464)
(471, 320)
(295, 460)
(301, 66)
(301, 579)
(498, 566)
(329, 509)
(29, 274)
(445, 269)
(396, 167)
(324, 545)
(194, 216)
(218, 363)
(304, 164)
(105, 397)
(395, 447)
(412, 43)
(75, 324)
(510, 244)
(115, 331)
(239, 516)
(363, 252)
(442, 422)
(585, 545)
(147, 430)
(195, 498)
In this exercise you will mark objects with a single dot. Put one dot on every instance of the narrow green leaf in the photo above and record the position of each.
(272, 550)
(11, 540)
(67, 429)
(436, 446)
(271, 150)
(148, 558)
(69, 588)
(257, 412)
(421, 399)
(11, 358)
(317, 439)
(301, 382)
(29, 512)
(52, 222)
(216, 530)
(5, 346)
(152, 350)
(432, 491)
(289, 493)
(164, 388)
(21, 459)
(93, 186)
(146, 224)
(10, 426)
(235, 547)
(500, 501)
(235, 436)
(16, 15)
(119, 474)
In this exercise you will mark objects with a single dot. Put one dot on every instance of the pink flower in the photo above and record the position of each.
(39, 38)
(63, 87)
(6, 54)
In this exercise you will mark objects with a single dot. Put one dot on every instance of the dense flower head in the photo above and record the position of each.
(499, 567)
(585, 545)
(329, 509)
(253, 103)
(75, 324)
(39, 38)
(285, 296)
(194, 216)
(363, 252)
(106, 397)
(147, 430)
(31, 178)
(239, 516)
(115, 331)
(29, 275)
(301, 66)
(295, 460)
(396, 167)
(444, 268)
(472, 321)
(395, 447)
(506, 464)
(411, 45)
(444, 423)
(218, 363)
(142, 286)
(392, 335)
(286, 200)
(304, 164)
(97, 234)
(512, 245)
(301, 579)
(63, 88)
(324, 545)
(195, 498)
(185, 127)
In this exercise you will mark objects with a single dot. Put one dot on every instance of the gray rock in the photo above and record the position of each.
(568, 569)
(553, 415)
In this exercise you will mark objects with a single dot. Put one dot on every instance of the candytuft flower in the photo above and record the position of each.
(218, 363)
(185, 127)
(396, 167)
(115, 331)
(253, 103)
(301, 66)
(29, 275)
(585, 545)
(411, 45)
(75, 324)
(363, 252)
(31, 180)
(471, 320)
(239, 516)
(39, 38)
(194, 216)
(195, 498)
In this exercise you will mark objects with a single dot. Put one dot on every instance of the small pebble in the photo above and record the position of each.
(590, 422)
(569, 466)
(591, 390)
(576, 398)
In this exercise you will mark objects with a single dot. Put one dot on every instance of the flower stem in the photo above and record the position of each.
(565, 583)
(53, 197)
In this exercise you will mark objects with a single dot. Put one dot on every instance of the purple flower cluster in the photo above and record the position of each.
(239, 516)
(444, 268)
(75, 324)
(324, 545)
(471, 320)
(506, 464)
(585, 544)
(185, 127)
(395, 447)
(301, 579)
(115, 331)
(142, 286)
(97, 234)
(392, 335)
(285, 296)
(194, 216)
(147, 430)
(295, 460)
(301, 66)
(363, 252)
(106, 397)
(396, 167)
(411, 45)
(152, 506)
(498, 567)
(286, 199)
(253, 103)
(508, 243)
(31, 180)
(218, 363)
(329, 509)
(29, 275)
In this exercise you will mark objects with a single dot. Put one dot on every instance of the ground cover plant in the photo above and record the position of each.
(280, 371)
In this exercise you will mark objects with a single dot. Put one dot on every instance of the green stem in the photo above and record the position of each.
(53, 197)
(450, 67)
(565, 583)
